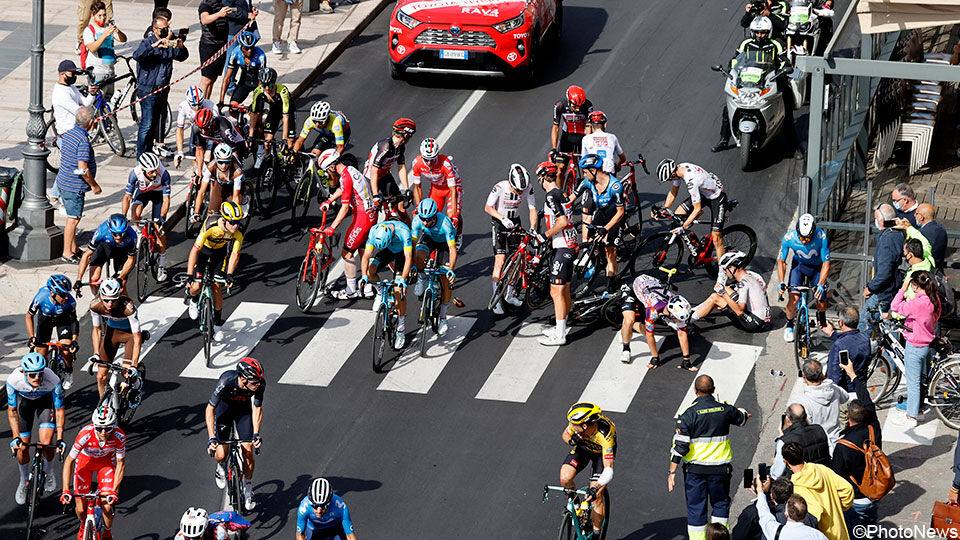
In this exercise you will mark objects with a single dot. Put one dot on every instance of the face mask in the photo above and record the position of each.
(71, 79)
(877, 225)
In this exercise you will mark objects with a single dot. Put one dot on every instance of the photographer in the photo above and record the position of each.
(155, 57)
(98, 38)
(777, 11)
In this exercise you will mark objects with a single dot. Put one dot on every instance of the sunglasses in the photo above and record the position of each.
(232, 222)
(110, 300)
(103, 429)
(320, 506)
(37, 375)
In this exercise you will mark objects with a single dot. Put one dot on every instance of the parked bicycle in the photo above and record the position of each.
(527, 271)
(108, 127)
(124, 390)
(148, 255)
(315, 267)
(575, 523)
(385, 327)
(35, 482)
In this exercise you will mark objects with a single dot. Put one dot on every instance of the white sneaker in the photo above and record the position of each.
(552, 330)
(625, 357)
(401, 339)
(50, 483)
(342, 294)
(161, 274)
(442, 327)
(193, 310)
(788, 334)
(553, 340)
(67, 381)
(217, 333)
(277, 48)
(513, 300)
(368, 291)
(419, 287)
(292, 47)
(377, 302)
(248, 501)
(904, 420)
(498, 308)
(221, 476)
(21, 494)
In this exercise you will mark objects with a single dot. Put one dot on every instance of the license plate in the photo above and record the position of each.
(453, 55)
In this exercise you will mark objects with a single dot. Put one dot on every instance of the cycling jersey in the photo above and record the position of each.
(503, 199)
(336, 514)
(87, 446)
(400, 241)
(606, 202)
(137, 182)
(606, 145)
(223, 130)
(571, 121)
(233, 176)
(102, 236)
(121, 315)
(18, 388)
(653, 296)
(212, 236)
(699, 182)
(336, 126)
(440, 175)
(44, 304)
(752, 291)
(247, 69)
(382, 157)
(228, 391)
(356, 190)
(186, 114)
(281, 98)
(813, 253)
(442, 231)
(604, 441)
(555, 206)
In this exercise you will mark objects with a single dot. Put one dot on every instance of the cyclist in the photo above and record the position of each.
(390, 243)
(383, 155)
(228, 181)
(209, 254)
(355, 196)
(270, 104)
(650, 296)
(54, 306)
(599, 142)
(704, 188)
(34, 393)
(603, 207)
(237, 403)
(333, 129)
(114, 240)
(194, 102)
(246, 61)
(593, 437)
(322, 515)
(442, 180)
(434, 231)
(99, 451)
(196, 524)
(149, 182)
(558, 214)
(503, 206)
(811, 263)
(211, 131)
(570, 120)
(120, 326)
(745, 302)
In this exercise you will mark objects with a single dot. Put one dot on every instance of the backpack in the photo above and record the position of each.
(83, 49)
(878, 478)
(946, 294)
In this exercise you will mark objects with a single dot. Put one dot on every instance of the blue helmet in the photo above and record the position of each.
(248, 39)
(591, 161)
(117, 224)
(427, 209)
(33, 362)
(379, 236)
(59, 284)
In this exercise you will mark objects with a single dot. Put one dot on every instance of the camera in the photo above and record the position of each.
(757, 6)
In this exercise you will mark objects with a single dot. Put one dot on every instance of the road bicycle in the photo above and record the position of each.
(92, 526)
(526, 270)
(55, 357)
(241, 120)
(108, 127)
(385, 327)
(591, 308)
(275, 170)
(312, 184)
(801, 324)
(205, 308)
(232, 499)
(148, 255)
(50, 139)
(124, 389)
(35, 483)
(315, 268)
(190, 227)
(575, 523)
(430, 302)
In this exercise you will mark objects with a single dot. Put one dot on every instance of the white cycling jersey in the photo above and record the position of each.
(507, 203)
(606, 145)
(699, 182)
(752, 291)
(186, 114)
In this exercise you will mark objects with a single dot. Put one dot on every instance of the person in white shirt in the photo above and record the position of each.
(66, 101)
(796, 511)
(99, 37)
(599, 142)
(745, 301)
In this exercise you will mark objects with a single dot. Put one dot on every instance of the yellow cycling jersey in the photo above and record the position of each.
(604, 441)
(334, 125)
(212, 236)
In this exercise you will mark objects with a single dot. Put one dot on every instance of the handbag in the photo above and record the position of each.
(945, 519)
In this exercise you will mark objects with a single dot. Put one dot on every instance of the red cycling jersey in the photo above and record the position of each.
(88, 447)
(441, 176)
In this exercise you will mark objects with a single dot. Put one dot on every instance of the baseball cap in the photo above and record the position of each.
(67, 65)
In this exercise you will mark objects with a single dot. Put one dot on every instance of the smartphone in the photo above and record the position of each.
(183, 33)
(889, 223)
(844, 357)
(763, 470)
(747, 478)
(783, 419)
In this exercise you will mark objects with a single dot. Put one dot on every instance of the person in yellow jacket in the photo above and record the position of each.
(827, 493)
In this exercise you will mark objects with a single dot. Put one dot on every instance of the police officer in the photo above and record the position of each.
(702, 443)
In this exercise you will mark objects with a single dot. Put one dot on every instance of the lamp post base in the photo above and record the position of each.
(36, 238)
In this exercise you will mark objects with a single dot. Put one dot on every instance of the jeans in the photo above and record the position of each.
(914, 361)
(151, 110)
(860, 514)
(873, 301)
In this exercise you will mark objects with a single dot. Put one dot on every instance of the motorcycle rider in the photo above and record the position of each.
(778, 11)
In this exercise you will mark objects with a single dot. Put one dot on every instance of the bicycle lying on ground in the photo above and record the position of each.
(575, 523)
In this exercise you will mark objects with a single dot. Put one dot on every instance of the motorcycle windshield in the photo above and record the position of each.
(799, 11)
(750, 72)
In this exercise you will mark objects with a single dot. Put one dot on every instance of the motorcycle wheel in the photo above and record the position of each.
(746, 142)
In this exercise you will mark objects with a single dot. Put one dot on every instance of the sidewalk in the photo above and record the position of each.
(322, 37)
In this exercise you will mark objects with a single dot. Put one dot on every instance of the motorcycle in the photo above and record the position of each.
(804, 33)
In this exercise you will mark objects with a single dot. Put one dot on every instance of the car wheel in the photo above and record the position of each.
(396, 71)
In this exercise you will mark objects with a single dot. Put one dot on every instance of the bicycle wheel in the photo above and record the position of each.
(630, 240)
(142, 270)
(379, 338)
(131, 402)
(308, 282)
(606, 513)
(206, 325)
(538, 286)
(612, 313)
(426, 313)
(943, 393)
(508, 276)
(586, 269)
(801, 336)
(51, 141)
(110, 130)
(265, 191)
(567, 531)
(235, 485)
(134, 106)
(301, 199)
(739, 237)
(879, 377)
(189, 227)
(36, 491)
(656, 252)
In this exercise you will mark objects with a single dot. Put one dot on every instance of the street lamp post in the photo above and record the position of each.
(36, 238)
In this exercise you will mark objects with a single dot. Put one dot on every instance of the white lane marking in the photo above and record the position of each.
(330, 348)
(459, 117)
(614, 384)
(730, 364)
(415, 374)
(520, 367)
(923, 434)
(241, 332)
(156, 316)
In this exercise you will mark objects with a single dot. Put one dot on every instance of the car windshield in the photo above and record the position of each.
(800, 11)
(749, 70)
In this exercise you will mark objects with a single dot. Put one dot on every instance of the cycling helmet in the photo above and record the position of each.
(761, 24)
(591, 161)
(735, 259)
(320, 492)
(231, 211)
(204, 118)
(250, 369)
(104, 416)
(576, 96)
(223, 153)
(194, 522)
(379, 236)
(518, 177)
(405, 126)
(267, 76)
(806, 226)
(665, 169)
(320, 111)
(32, 362)
(597, 117)
(194, 96)
(427, 209)
(110, 289)
(148, 162)
(247, 39)
(546, 168)
(328, 158)
(583, 412)
(679, 308)
(117, 224)
(59, 284)
(429, 149)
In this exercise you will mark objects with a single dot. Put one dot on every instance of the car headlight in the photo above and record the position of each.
(407, 20)
(510, 24)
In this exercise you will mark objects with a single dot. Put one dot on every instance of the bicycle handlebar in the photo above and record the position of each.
(567, 491)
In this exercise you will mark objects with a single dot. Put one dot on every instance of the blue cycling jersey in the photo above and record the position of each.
(102, 236)
(336, 514)
(43, 303)
(611, 197)
(18, 388)
(442, 231)
(400, 240)
(814, 253)
(247, 73)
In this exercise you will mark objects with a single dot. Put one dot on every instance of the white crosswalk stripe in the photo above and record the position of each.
(330, 348)
(156, 316)
(415, 374)
(614, 384)
(520, 367)
(730, 364)
(242, 331)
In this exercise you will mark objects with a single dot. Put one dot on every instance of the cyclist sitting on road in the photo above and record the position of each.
(194, 102)
(648, 295)
(149, 182)
(120, 327)
(433, 231)
(211, 131)
(383, 155)
(503, 206)
(603, 207)
(209, 254)
(745, 302)
(54, 306)
(322, 515)
(237, 403)
(34, 393)
(390, 243)
(558, 215)
(593, 437)
(811, 263)
(606, 145)
(333, 129)
(196, 524)
(442, 180)
(246, 61)
(271, 103)
(114, 240)
(228, 185)
(705, 189)
(99, 451)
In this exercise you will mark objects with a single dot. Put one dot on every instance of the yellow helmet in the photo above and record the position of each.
(231, 211)
(583, 413)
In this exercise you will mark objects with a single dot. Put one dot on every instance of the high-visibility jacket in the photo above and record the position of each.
(702, 440)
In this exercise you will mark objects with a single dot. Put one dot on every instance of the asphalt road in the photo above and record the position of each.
(443, 462)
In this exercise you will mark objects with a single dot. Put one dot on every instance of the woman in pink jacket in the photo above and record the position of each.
(921, 312)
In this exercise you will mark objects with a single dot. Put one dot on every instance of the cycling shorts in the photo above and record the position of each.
(156, 197)
(569, 142)
(445, 201)
(227, 416)
(748, 322)
(211, 259)
(326, 533)
(579, 458)
(427, 245)
(718, 210)
(274, 121)
(43, 328)
(802, 274)
(359, 229)
(561, 269)
(383, 258)
(104, 253)
(29, 410)
(112, 339)
(241, 92)
(104, 469)
(503, 242)
(324, 141)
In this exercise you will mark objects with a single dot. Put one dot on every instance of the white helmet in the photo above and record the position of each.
(104, 416)
(320, 491)
(320, 111)
(194, 522)
(328, 157)
(518, 177)
(223, 153)
(732, 258)
(110, 289)
(761, 24)
(429, 149)
(148, 161)
(806, 226)
(679, 308)
(666, 169)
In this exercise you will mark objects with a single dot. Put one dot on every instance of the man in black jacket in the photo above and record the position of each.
(812, 437)
(933, 232)
(748, 523)
(886, 259)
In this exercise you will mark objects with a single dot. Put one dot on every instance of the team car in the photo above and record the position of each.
(472, 37)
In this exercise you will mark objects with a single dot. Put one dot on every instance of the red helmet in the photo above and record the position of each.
(576, 96)
(597, 117)
(250, 369)
(204, 118)
(546, 167)
(405, 126)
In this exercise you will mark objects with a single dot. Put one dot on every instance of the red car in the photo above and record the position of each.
(471, 37)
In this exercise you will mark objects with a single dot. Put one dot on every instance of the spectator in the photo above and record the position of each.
(161, 12)
(77, 175)
(66, 99)
(886, 259)
(822, 400)
(921, 312)
(748, 523)
(933, 232)
(213, 36)
(812, 438)
(905, 202)
(913, 255)
(279, 14)
(826, 493)
(849, 339)
(716, 531)
(83, 17)
(794, 528)
(925, 251)
(98, 38)
(850, 463)
(155, 57)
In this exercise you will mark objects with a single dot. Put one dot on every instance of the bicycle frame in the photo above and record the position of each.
(576, 510)
(385, 292)
(93, 521)
(117, 390)
(803, 320)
